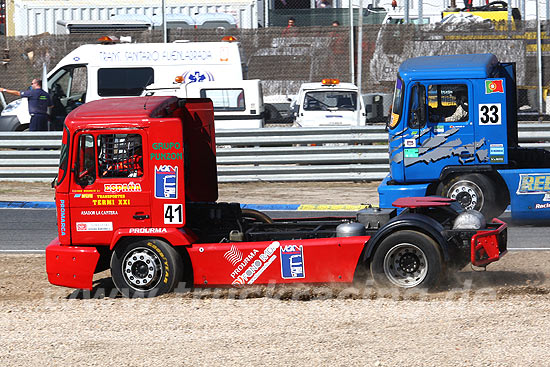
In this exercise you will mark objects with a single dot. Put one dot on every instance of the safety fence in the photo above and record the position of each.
(271, 154)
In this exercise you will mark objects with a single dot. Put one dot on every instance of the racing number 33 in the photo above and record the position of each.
(173, 214)
(489, 114)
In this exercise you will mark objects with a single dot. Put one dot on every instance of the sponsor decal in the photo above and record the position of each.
(534, 183)
(542, 206)
(63, 218)
(292, 262)
(166, 156)
(166, 146)
(99, 212)
(411, 153)
(84, 196)
(258, 266)
(410, 143)
(245, 262)
(439, 129)
(166, 182)
(155, 55)
(122, 187)
(94, 226)
(496, 149)
(233, 255)
(497, 159)
(108, 202)
(493, 86)
(148, 230)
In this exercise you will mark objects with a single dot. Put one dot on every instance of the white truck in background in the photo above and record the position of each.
(328, 103)
(96, 71)
(237, 104)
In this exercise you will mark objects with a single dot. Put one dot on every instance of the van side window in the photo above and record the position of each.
(120, 155)
(225, 99)
(118, 82)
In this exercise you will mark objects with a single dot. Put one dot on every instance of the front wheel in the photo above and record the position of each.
(407, 259)
(473, 191)
(145, 268)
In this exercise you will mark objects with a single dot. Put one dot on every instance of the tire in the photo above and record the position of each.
(145, 268)
(407, 259)
(473, 191)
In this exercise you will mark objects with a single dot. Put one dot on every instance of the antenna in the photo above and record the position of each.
(147, 94)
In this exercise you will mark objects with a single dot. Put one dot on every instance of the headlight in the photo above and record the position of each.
(12, 106)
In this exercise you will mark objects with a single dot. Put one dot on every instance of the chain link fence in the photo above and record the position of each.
(284, 59)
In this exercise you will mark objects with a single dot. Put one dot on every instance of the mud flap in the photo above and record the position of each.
(489, 246)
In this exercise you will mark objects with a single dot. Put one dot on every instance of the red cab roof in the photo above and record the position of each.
(118, 109)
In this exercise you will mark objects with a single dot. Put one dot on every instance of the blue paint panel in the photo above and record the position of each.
(491, 120)
(387, 194)
(529, 193)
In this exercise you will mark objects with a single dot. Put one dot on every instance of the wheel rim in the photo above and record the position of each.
(142, 269)
(406, 265)
(468, 194)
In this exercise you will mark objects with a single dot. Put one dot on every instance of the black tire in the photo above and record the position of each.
(473, 191)
(407, 259)
(145, 268)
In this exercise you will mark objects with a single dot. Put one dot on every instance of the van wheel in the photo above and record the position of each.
(407, 259)
(145, 268)
(472, 191)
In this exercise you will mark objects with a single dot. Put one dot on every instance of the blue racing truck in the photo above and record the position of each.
(453, 132)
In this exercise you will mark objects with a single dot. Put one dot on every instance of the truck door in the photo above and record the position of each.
(108, 190)
(447, 137)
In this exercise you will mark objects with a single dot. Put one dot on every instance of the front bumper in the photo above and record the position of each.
(489, 246)
(71, 266)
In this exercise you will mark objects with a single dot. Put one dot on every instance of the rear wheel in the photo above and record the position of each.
(407, 259)
(145, 268)
(473, 191)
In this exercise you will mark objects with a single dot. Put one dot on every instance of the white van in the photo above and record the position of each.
(93, 72)
(329, 103)
(237, 104)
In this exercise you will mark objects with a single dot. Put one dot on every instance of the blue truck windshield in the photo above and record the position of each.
(397, 103)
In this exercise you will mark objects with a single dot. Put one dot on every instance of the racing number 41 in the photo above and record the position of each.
(173, 214)
(490, 114)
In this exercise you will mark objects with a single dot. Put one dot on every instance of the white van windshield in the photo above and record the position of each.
(330, 100)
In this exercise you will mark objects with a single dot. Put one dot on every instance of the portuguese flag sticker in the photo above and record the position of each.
(493, 86)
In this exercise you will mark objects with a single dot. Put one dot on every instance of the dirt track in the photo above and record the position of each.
(495, 318)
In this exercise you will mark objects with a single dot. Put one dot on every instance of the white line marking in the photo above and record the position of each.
(25, 251)
(529, 249)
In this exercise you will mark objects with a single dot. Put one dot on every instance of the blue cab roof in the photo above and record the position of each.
(444, 67)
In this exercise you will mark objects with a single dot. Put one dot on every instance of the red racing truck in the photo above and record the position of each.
(136, 193)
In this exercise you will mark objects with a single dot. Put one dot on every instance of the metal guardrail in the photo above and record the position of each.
(270, 154)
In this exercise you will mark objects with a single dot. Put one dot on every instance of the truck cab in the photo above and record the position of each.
(137, 193)
(453, 132)
(328, 103)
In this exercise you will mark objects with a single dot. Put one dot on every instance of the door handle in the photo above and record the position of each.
(141, 216)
